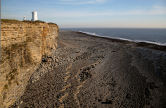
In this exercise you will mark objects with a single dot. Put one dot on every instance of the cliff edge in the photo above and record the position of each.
(23, 45)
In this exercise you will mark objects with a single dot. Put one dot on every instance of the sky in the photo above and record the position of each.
(90, 13)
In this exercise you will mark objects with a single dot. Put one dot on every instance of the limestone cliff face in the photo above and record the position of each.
(23, 45)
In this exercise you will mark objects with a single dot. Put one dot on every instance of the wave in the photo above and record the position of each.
(137, 41)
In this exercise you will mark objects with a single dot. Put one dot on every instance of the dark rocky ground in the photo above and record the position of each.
(92, 72)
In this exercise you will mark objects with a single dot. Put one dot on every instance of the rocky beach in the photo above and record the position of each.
(87, 71)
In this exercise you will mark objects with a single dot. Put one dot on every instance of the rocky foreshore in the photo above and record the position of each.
(93, 72)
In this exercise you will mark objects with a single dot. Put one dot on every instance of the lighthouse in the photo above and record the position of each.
(24, 18)
(34, 16)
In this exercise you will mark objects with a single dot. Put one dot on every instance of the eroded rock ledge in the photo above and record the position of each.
(23, 45)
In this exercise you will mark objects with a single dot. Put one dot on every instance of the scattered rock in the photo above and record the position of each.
(44, 60)
(152, 85)
(84, 75)
(128, 96)
(92, 66)
(99, 100)
(107, 102)
(147, 92)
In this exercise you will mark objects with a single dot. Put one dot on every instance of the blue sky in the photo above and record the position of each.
(91, 13)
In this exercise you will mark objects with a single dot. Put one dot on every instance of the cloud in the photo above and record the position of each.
(80, 2)
(156, 10)
(76, 14)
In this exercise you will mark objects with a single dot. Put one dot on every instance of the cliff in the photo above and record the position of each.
(23, 46)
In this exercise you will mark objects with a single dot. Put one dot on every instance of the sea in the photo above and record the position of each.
(151, 35)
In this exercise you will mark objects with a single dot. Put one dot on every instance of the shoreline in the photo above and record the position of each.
(137, 41)
(109, 36)
(145, 44)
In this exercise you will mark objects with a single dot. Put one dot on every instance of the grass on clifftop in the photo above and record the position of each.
(37, 21)
(26, 21)
(18, 21)
(10, 20)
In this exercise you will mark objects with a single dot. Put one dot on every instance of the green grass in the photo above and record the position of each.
(10, 20)
(38, 21)
(52, 23)
(18, 21)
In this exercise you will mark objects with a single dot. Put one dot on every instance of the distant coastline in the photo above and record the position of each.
(137, 41)
(147, 35)
(145, 44)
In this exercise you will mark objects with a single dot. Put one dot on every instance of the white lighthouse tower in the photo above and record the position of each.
(34, 16)
(24, 18)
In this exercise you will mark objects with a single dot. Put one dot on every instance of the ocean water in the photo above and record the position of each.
(157, 36)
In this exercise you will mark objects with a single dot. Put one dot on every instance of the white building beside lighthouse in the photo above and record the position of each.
(34, 16)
